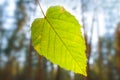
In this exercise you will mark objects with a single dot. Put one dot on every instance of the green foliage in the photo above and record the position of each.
(57, 36)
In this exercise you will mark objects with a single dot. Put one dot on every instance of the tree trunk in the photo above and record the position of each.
(39, 68)
(117, 48)
(29, 62)
(58, 74)
(100, 58)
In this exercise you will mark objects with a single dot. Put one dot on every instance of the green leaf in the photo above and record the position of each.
(57, 36)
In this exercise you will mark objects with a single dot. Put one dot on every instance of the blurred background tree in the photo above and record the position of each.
(101, 29)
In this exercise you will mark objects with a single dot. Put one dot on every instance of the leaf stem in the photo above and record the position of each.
(41, 8)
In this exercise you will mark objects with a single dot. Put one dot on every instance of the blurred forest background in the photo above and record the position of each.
(101, 27)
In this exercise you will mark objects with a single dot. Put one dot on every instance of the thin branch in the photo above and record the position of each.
(41, 8)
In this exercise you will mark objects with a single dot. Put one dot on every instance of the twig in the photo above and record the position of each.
(41, 8)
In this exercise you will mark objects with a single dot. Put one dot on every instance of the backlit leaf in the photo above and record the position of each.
(57, 36)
